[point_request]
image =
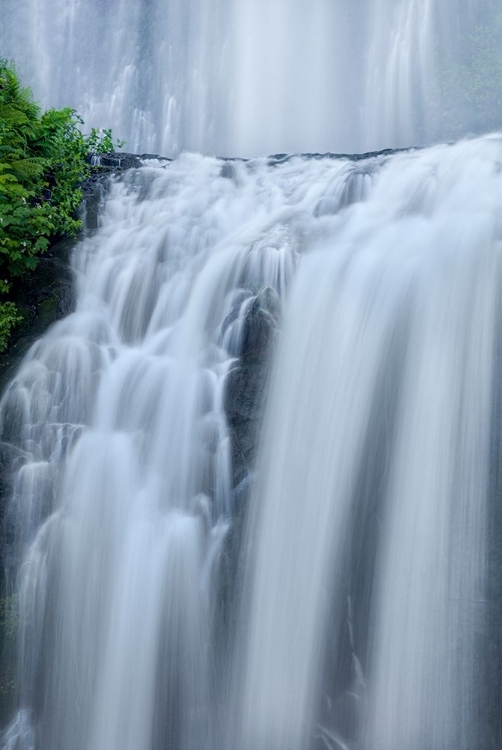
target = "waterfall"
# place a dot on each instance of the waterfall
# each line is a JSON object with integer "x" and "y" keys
{"x": 366, "y": 611}
{"x": 340, "y": 591}
{"x": 248, "y": 77}
{"x": 122, "y": 475}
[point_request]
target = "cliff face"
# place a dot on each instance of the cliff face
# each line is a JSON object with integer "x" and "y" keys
{"x": 44, "y": 297}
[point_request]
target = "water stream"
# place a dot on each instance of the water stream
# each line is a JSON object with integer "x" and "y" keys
{"x": 363, "y": 613}
{"x": 254, "y": 77}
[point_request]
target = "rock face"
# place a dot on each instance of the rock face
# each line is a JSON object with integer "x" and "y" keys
{"x": 44, "y": 297}
{"x": 246, "y": 393}
{"x": 244, "y": 404}
{"x": 120, "y": 160}
{"x": 247, "y": 383}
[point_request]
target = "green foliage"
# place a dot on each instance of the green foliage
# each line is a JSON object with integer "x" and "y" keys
{"x": 9, "y": 318}
{"x": 101, "y": 142}
{"x": 43, "y": 162}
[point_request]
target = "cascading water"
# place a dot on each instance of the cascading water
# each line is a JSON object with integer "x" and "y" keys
{"x": 121, "y": 500}
{"x": 365, "y": 611}
{"x": 248, "y": 77}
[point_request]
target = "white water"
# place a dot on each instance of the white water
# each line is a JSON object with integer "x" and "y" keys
{"x": 121, "y": 503}
{"x": 246, "y": 77}
{"x": 423, "y": 253}
{"x": 362, "y": 607}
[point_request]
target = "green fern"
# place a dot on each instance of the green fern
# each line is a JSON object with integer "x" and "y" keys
{"x": 43, "y": 162}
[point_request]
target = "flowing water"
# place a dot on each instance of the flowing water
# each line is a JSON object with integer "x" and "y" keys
{"x": 365, "y": 610}
{"x": 249, "y": 77}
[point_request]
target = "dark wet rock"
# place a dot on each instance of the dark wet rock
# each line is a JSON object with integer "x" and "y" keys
{"x": 245, "y": 397}
{"x": 118, "y": 160}
{"x": 260, "y": 324}
{"x": 154, "y": 156}
{"x": 277, "y": 159}
{"x": 259, "y": 330}
{"x": 228, "y": 171}
{"x": 245, "y": 391}
{"x": 8, "y": 628}
{"x": 9, "y": 455}
{"x": 46, "y": 296}
{"x": 247, "y": 383}
{"x": 94, "y": 191}
{"x": 121, "y": 160}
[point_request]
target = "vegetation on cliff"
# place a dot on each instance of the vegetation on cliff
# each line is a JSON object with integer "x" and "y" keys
{"x": 43, "y": 162}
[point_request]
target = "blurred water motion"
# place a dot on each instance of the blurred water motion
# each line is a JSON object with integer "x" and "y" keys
{"x": 251, "y": 77}
{"x": 364, "y": 611}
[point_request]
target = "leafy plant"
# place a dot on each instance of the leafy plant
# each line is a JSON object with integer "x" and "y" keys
{"x": 9, "y": 319}
{"x": 43, "y": 162}
{"x": 101, "y": 142}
